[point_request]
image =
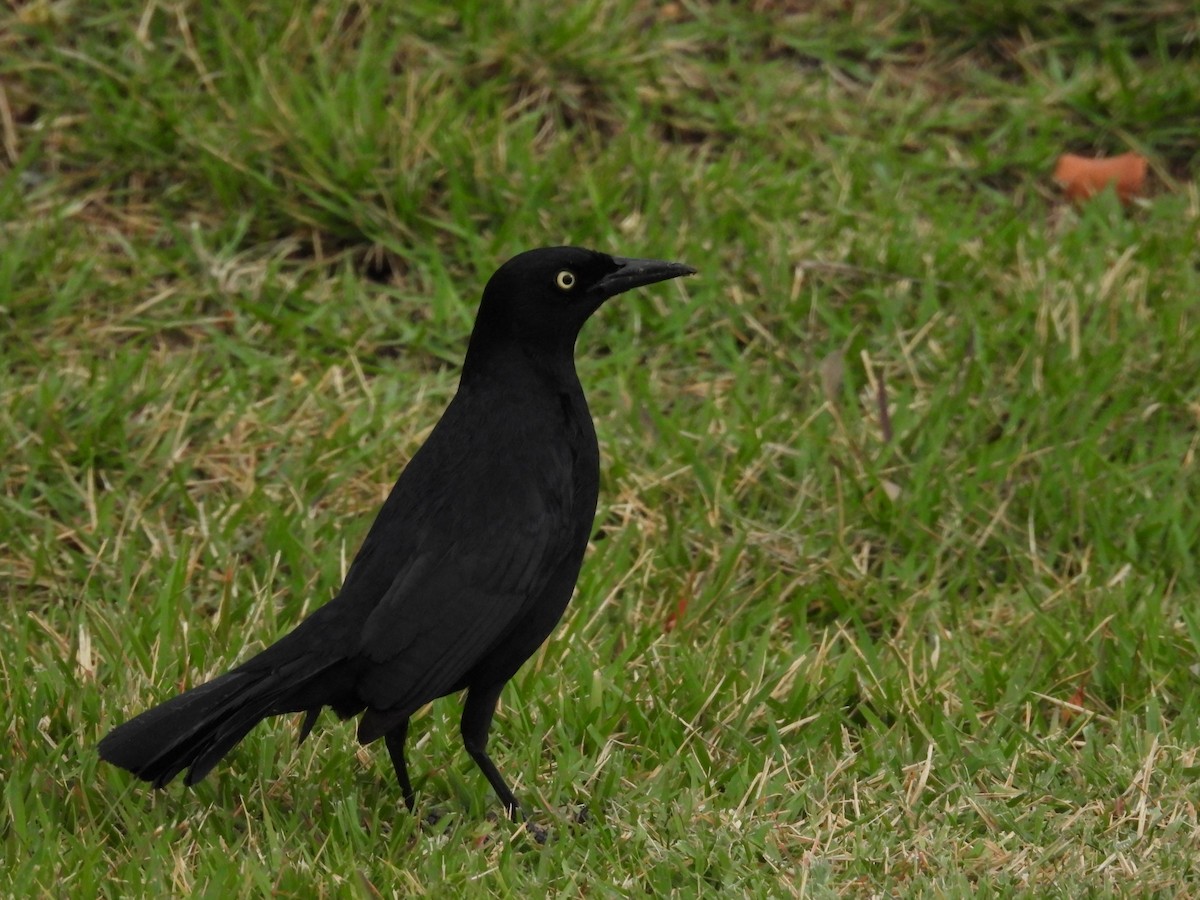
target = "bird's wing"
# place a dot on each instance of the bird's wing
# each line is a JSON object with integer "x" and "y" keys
{"x": 452, "y": 602}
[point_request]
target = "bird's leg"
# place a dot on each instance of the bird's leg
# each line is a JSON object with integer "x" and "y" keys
{"x": 476, "y": 720}
{"x": 395, "y": 744}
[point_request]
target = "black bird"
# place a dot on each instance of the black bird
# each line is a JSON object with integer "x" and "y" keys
{"x": 470, "y": 562}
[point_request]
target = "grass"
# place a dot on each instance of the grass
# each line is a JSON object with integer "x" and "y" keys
{"x": 893, "y": 586}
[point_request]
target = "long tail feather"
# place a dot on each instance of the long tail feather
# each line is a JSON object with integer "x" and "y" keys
{"x": 196, "y": 729}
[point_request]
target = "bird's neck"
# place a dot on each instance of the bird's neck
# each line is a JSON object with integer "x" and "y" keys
{"x": 521, "y": 365}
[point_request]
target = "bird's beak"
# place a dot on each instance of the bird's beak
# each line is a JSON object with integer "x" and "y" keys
{"x": 632, "y": 273}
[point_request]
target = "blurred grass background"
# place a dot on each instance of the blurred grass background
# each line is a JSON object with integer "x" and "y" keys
{"x": 893, "y": 587}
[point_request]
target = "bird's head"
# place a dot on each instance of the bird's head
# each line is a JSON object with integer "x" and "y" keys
{"x": 543, "y": 297}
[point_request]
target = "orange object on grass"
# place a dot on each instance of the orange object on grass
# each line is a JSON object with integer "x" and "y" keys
{"x": 1081, "y": 177}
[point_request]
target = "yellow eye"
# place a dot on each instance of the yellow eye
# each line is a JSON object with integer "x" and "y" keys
{"x": 565, "y": 280}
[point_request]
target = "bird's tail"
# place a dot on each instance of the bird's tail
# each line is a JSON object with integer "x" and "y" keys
{"x": 196, "y": 729}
